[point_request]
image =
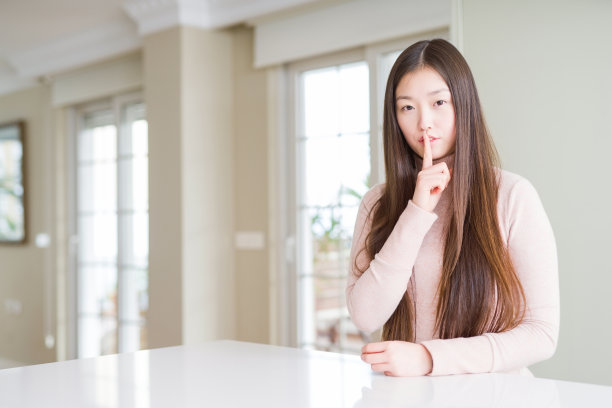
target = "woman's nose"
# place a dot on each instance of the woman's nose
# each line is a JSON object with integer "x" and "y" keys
{"x": 425, "y": 120}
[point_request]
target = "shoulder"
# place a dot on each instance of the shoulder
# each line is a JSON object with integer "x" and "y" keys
{"x": 517, "y": 198}
{"x": 514, "y": 187}
{"x": 373, "y": 195}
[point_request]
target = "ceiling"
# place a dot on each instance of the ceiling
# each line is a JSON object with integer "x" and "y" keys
{"x": 41, "y": 38}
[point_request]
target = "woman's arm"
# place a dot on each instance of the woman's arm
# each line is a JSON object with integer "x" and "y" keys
{"x": 373, "y": 296}
{"x": 532, "y": 248}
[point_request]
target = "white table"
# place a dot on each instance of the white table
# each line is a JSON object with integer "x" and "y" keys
{"x": 235, "y": 374}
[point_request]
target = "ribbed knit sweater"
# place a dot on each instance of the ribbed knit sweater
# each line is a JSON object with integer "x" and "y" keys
{"x": 415, "y": 246}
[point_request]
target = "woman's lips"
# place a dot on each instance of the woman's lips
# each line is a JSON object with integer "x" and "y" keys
{"x": 431, "y": 139}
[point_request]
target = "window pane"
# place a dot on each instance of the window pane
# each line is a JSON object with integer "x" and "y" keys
{"x": 321, "y": 102}
{"x": 329, "y": 232}
{"x": 113, "y": 228}
{"x": 97, "y": 188}
{"x": 98, "y": 291}
{"x": 11, "y": 185}
{"x": 97, "y": 336}
{"x": 354, "y": 98}
{"x": 11, "y": 223}
{"x": 98, "y": 238}
{"x": 134, "y": 183}
{"x": 385, "y": 63}
{"x": 330, "y": 309}
{"x": 322, "y": 173}
{"x": 134, "y": 140}
{"x": 333, "y": 147}
{"x": 135, "y": 239}
{"x": 136, "y": 299}
{"x": 354, "y": 167}
{"x": 135, "y": 305}
{"x": 140, "y": 141}
{"x": 133, "y": 337}
{"x": 10, "y": 158}
{"x": 98, "y": 143}
{"x": 337, "y": 170}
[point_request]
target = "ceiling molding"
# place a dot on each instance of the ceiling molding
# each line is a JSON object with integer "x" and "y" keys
{"x": 10, "y": 82}
{"x": 345, "y": 25}
{"x": 27, "y": 66}
{"x": 157, "y": 15}
{"x": 76, "y": 50}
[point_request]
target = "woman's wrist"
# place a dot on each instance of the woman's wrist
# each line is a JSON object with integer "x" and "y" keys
{"x": 428, "y": 360}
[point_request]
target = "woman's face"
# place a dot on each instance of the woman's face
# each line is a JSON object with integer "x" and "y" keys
{"x": 424, "y": 108}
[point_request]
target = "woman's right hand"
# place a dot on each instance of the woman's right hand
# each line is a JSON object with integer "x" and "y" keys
{"x": 432, "y": 180}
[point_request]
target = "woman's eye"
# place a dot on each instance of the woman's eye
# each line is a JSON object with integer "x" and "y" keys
{"x": 440, "y": 102}
{"x": 407, "y": 108}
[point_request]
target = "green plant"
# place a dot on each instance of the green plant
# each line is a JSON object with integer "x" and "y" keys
{"x": 328, "y": 231}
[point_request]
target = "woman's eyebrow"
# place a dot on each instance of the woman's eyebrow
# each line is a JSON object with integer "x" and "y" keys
{"x": 437, "y": 91}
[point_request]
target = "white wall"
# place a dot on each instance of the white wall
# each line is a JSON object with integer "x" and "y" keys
{"x": 543, "y": 72}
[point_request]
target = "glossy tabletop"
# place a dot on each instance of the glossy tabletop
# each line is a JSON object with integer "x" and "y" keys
{"x": 235, "y": 374}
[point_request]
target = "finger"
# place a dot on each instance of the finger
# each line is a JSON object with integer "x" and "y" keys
{"x": 427, "y": 159}
{"x": 381, "y": 368}
{"x": 432, "y": 182}
{"x": 374, "y": 358}
{"x": 436, "y": 168}
{"x": 374, "y": 347}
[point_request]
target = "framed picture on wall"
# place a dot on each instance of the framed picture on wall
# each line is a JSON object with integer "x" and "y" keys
{"x": 12, "y": 185}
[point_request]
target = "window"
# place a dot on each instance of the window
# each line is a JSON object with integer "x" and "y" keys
{"x": 112, "y": 227}
{"x": 333, "y": 155}
{"x": 337, "y": 154}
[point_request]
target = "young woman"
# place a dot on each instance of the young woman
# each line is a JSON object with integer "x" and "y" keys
{"x": 452, "y": 257}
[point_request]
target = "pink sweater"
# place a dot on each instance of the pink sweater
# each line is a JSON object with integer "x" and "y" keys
{"x": 415, "y": 246}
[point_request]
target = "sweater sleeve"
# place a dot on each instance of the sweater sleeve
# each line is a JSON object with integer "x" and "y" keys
{"x": 373, "y": 296}
{"x": 531, "y": 246}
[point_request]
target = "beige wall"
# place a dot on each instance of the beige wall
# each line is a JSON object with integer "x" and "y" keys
{"x": 250, "y": 190}
{"x": 162, "y": 79}
{"x": 204, "y": 149}
{"x": 207, "y": 182}
{"x": 23, "y": 268}
{"x": 543, "y": 71}
{"x": 188, "y": 93}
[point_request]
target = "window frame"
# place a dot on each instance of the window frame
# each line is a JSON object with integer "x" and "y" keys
{"x": 76, "y": 116}
{"x": 296, "y": 176}
{"x": 284, "y": 137}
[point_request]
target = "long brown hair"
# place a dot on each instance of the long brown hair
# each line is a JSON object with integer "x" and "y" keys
{"x": 479, "y": 291}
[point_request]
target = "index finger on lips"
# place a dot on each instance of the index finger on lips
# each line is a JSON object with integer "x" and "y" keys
{"x": 427, "y": 159}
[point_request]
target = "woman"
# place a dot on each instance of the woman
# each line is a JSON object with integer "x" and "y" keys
{"x": 453, "y": 258}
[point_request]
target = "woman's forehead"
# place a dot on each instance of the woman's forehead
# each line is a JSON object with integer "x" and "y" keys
{"x": 421, "y": 83}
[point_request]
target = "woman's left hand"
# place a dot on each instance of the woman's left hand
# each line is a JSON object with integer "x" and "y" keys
{"x": 398, "y": 358}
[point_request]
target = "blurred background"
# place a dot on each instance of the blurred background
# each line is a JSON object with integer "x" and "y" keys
{"x": 181, "y": 171}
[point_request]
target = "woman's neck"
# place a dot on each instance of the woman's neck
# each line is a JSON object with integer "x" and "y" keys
{"x": 449, "y": 160}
